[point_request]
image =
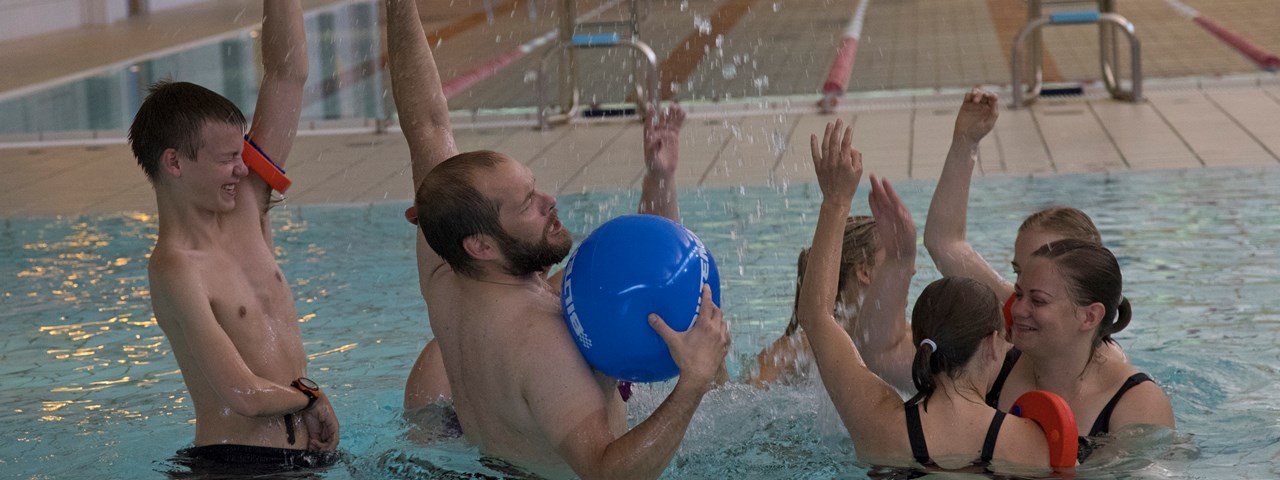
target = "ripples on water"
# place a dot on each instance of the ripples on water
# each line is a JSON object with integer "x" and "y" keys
{"x": 89, "y": 384}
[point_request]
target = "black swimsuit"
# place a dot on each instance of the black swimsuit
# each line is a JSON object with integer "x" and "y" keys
{"x": 227, "y": 459}
{"x": 915, "y": 433}
{"x": 1101, "y": 426}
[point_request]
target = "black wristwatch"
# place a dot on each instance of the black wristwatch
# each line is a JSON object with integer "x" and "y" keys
{"x": 309, "y": 388}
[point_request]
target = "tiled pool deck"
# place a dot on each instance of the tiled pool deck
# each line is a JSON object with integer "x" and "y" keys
{"x": 1207, "y": 105}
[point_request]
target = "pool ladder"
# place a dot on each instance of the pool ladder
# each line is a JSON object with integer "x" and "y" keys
{"x": 572, "y": 38}
{"x": 1108, "y": 49}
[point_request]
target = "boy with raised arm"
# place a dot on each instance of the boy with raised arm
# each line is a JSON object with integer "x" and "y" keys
{"x": 217, "y": 292}
{"x": 488, "y": 237}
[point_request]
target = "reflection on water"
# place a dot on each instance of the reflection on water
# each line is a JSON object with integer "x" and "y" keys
{"x": 345, "y": 80}
{"x": 87, "y": 381}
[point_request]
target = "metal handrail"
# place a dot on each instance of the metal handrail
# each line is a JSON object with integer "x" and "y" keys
{"x": 1108, "y": 47}
{"x": 647, "y": 98}
{"x": 645, "y": 91}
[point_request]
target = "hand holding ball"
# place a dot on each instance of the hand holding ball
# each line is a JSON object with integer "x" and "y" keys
{"x": 626, "y": 269}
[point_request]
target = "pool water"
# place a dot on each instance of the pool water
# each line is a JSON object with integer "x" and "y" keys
{"x": 88, "y": 384}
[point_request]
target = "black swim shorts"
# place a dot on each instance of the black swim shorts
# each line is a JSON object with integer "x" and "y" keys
{"x": 223, "y": 459}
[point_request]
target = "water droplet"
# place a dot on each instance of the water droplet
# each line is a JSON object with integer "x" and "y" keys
{"x": 703, "y": 24}
{"x": 761, "y": 83}
{"x": 729, "y": 72}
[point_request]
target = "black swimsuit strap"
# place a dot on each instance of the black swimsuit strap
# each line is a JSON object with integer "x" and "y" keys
{"x": 1103, "y": 423}
{"x": 993, "y": 395}
{"x": 993, "y": 431}
{"x": 915, "y": 433}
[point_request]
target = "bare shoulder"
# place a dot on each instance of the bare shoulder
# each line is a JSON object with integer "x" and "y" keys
{"x": 177, "y": 285}
{"x": 877, "y": 429}
{"x": 1146, "y": 403}
{"x": 784, "y": 351}
{"x": 170, "y": 267}
{"x": 776, "y": 363}
{"x": 548, "y": 332}
{"x": 546, "y": 350}
{"x": 1022, "y": 442}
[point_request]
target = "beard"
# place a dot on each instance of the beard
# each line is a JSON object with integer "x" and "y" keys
{"x": 524, "y": 258}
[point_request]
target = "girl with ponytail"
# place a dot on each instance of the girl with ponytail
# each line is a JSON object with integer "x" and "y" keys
{"x": 957, "y": 321}
{"x": 962, "y": 311}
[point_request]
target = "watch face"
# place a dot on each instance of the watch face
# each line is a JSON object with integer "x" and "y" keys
{"x": 307, "y": 383}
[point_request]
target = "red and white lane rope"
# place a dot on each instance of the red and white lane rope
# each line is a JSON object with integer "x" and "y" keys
{"x": 1265, "y": 60}
{"x": 842, "y": 64}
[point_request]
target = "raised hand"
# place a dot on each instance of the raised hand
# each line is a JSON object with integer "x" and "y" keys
{"x": 662, "y": 140}
{"x": 893, "y": 221}
{"x": 699, "y": 351}
{"x": 838, "y": 165}
{"x": 977, "y": 116}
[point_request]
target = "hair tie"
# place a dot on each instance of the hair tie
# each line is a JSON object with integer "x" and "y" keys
{"x": 929, "y": 343}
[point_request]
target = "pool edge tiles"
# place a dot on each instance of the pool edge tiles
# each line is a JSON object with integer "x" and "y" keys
{"x": 736, "y": 144}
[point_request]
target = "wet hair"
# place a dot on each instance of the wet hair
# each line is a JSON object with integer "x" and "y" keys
{"x": 1092, "y": 275}
{"x": 450, "y": 208}
{"x": 957, "y": 314}
{"x": 1065, "y": 221}
{"x": 858, "y": 250}
{"x": 174, "y": 115}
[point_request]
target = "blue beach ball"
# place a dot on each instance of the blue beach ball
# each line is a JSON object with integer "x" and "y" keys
{"x": 626, "y": 269}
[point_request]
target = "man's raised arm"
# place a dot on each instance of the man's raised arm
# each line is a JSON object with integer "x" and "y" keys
{"x": 415, "y": 83}
{"x": 423, "y": 109}
{"x": 284, "y": 62}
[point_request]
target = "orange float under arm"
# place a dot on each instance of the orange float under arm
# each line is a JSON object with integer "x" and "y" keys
{"x": 264, "y": 167}
{"x": 1055, "y": 418}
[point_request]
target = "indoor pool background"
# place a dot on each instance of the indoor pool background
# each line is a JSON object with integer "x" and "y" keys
{"x": 88, "y": 386}
{"x": 346, "y": 83}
